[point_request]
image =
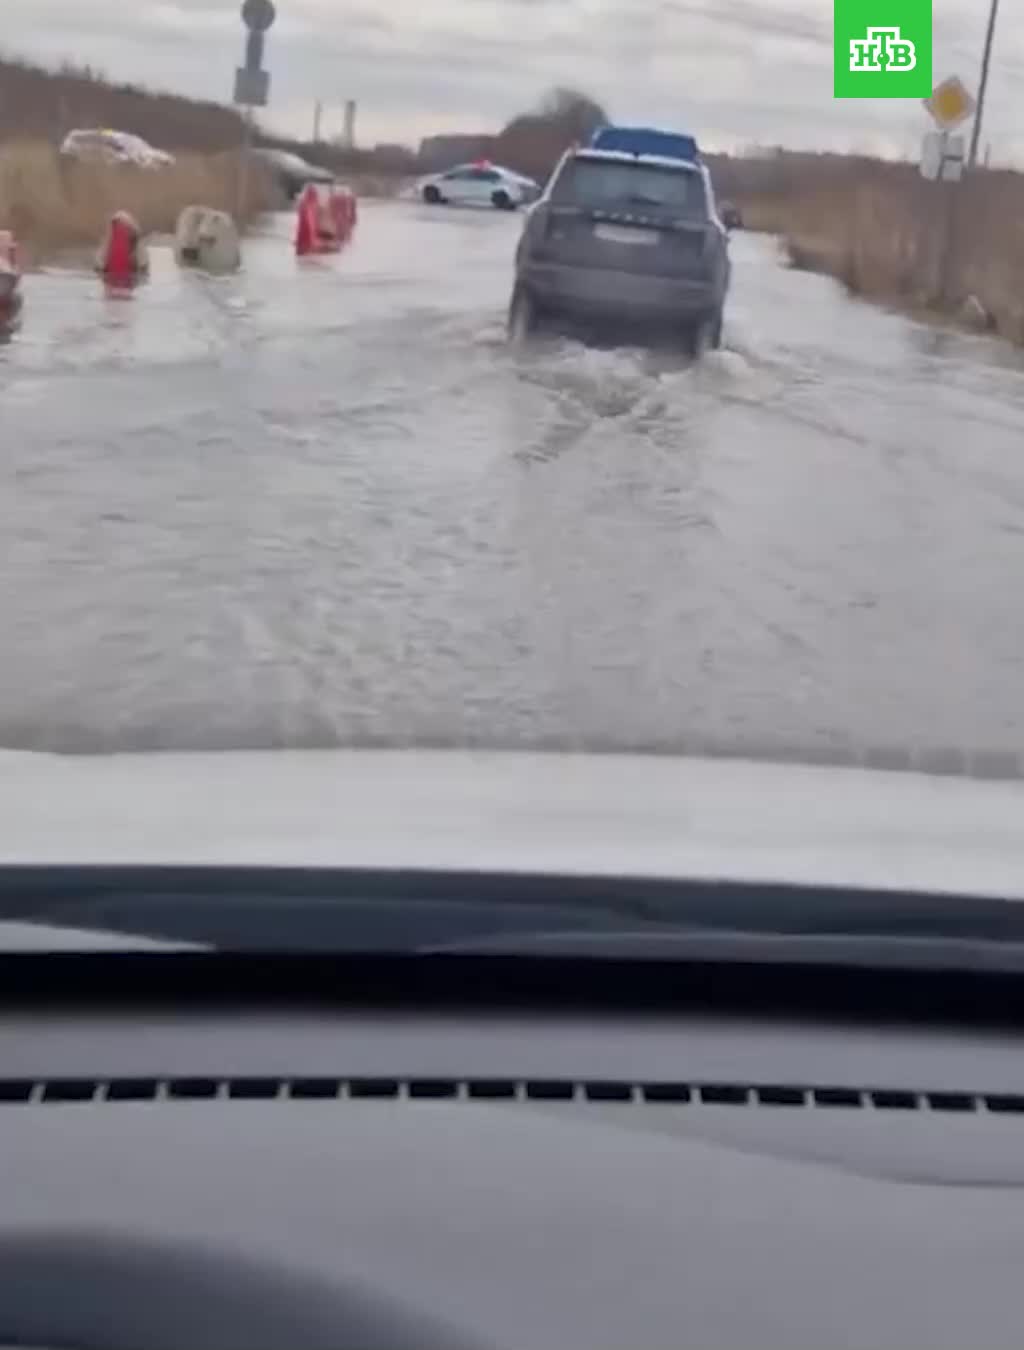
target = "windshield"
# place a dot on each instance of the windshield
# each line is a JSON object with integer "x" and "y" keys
{"x": 595, "y": 183}
{"x": 373, "y": 437}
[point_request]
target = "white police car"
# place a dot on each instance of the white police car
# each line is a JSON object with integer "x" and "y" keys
{"x": 479, "y": 184}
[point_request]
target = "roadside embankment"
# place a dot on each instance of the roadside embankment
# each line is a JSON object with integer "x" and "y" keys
{"x": 891, "y": 236}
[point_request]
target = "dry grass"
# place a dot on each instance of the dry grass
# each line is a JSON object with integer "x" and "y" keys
{"x": 53, "y": 203}
{"x": 38, "y": 104}
{"x": 881, "y": 230}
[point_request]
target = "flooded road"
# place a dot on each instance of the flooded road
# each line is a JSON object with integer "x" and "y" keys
{"x": 326, "y": 504}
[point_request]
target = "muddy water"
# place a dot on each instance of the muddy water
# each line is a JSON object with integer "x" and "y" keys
{"x": 326, "y": 504}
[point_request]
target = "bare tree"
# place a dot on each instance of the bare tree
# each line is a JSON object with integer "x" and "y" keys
{"x": 576, "y": 113}
{"x": 534, "y": 141}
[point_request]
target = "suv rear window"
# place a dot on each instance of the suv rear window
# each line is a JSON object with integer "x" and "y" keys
{"x": 616, "y": 184}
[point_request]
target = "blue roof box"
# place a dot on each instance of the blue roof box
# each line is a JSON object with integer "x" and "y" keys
{"x": 646, "y": 141}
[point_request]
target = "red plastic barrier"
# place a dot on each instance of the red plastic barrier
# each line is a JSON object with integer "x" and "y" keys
{"x": 343, "y": 209}
{"x": 326, "y": 219}
{"x": 9, "y": 250}
{"x": 306, "y": 230}
{"x": 11, "y": 299}
{"x": 122, "y": 255}
{"x": 315, "y": 226}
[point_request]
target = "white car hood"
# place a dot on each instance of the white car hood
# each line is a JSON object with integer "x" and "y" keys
{"x": 565, "y": 814}
{"x": 44, "y": 937}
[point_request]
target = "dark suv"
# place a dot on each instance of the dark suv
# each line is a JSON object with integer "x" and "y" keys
{"x": 629, "y": 238}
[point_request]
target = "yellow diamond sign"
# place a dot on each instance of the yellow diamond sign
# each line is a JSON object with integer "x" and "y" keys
{"x": 950, "y": 103}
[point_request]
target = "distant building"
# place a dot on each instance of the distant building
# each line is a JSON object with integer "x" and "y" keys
{"x": 441, "y": 152}
{"x": 400, "y": 158}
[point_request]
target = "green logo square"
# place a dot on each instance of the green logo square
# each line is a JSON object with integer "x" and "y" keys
{"x": 883, "y": 48}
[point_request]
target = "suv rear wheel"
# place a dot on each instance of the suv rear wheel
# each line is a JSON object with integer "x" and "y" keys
{"x": 522, "y": 317}
{"x": 705, "y": 334}
{"x": 715, "y": 330}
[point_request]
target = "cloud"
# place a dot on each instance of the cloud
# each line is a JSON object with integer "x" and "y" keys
{"x": 737, "y": 70}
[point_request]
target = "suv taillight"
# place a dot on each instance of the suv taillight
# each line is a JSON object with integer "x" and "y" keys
{"x": 709, "y": 245}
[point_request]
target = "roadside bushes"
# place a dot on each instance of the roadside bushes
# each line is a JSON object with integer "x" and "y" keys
{"x": 53, "y": 203}
{"x": 882, "y": 231}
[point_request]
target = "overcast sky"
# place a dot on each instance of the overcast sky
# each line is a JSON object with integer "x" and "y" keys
{"x": 738, "y": 71}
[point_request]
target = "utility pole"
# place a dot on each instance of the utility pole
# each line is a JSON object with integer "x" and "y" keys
{"x": 349, "y": 134}
{"x": 983, "y": 84}
{"x": 317, "y": 115}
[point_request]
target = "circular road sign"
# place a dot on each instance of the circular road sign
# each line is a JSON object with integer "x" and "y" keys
{"x": 950, "y": 103}
{"x": 259, "y": 15}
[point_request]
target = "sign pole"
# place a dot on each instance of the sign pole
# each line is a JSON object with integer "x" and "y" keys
{"x": 950, "y": 217}
{"x": 243, "y": 168}
{"x": 942, "y": 158}
{"x": 252, "y": 86}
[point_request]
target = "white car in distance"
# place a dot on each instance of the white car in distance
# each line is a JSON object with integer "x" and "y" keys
{"x": 479, "y": 184}
{"x": 114, "y": 147}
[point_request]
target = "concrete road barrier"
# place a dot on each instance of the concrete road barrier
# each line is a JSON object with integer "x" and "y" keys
{"x": 207, "y": 239}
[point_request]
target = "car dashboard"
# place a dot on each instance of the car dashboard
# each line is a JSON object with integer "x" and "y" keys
{"x": 485, "y": 1177}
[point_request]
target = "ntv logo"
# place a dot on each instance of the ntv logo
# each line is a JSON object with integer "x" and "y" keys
{"x": 882, "y": 50}
{"x": 894, "y": 60}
